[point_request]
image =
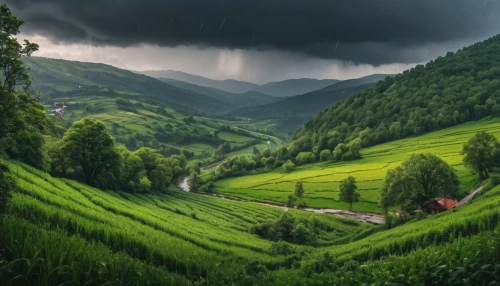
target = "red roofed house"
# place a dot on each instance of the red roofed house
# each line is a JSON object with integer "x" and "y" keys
{"x": 439, "y": 205}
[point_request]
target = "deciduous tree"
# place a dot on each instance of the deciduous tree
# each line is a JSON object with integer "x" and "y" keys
{"x": 348, "y": 192}
{"x": 482, "y": 153}
{"x": 417, "y": 180}
{"x": 22, "y": 118}
{"x": 92, "y": 152}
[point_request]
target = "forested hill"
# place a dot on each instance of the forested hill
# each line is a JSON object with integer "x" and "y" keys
{"x": 450, "y": 90}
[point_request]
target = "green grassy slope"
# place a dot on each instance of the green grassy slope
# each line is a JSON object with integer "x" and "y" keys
{"x": 75, "y": 233}
{"x": 179, "y": 235}
{"x": 321, "y": 179}
{"x": 53, "y": 77}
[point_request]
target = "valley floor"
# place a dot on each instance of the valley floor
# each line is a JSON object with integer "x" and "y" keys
{"x": 321, "y": 180}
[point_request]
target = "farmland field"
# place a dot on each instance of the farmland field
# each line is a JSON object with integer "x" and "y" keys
{"x": 187, "y": 234}
{"x": 321, "y": 179}
{"x": 180, "y": 238}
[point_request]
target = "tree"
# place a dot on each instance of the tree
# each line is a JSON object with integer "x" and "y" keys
{"x": 133, "y": 177}
{"x": 325, "y": 155}
{"x": 355, "y": 149}
{"x": 299, "y": 190}
{"x": 482, "y": 153}
{"x": 305, "y": 157}
{"x": 288, "y": 166}
{"x": 162, "y": 174}
{"x": 22, "y": 118}
{"x": 59, "y": 162}
{"x": 417, "y": 180}
{"x": 348, "y": 192}
{"x": 91, "y": 152}
{"x": 291, "y": 200}
{"x": 339, "y": 151}
{"x": 222, "y": 150}
{"x": 194, "y": 182}
{"x": 395, "y": 130}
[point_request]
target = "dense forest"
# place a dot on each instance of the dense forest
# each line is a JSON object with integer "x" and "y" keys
{"x": 450, "y": 90}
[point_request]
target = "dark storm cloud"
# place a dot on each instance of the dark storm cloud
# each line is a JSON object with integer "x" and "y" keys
{"x": 362, "y": 31}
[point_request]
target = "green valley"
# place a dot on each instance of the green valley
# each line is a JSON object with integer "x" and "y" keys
{"x": 237, "y": 157}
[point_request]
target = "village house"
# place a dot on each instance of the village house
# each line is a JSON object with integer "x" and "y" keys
{"x": 438, "y": 205}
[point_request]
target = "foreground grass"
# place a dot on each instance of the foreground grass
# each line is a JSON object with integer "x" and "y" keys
{"x": 321, "y": 180}
{"x": 62, "y": 232}
{"x": 187, "y": 237}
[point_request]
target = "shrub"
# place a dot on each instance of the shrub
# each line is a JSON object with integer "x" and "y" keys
{"x": 288, "y": 166}
{"x": 325, "y": 155}
{"x": 281, "y": 248}
{"x": 305, "y": 157}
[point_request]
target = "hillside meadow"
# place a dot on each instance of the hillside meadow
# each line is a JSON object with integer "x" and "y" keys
{"x": 321, "y": 180}
{"x": 182, "y": 236}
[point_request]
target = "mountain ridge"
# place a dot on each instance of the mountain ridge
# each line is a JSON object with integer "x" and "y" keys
{"x": 289, "y": 87}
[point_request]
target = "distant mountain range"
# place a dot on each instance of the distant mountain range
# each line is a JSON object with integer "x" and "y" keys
{"x": 284, "y": 88}
{"x": 245, "y": 99}
{"x": 308, "y": 104}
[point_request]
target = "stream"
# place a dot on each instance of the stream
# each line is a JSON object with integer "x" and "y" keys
{"x": 184, "y": 185}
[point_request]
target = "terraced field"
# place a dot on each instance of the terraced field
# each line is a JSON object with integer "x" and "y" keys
{"x": 321, "y": 180}
{"x": 182, "y": 235}
{"x": 61, "y": 232}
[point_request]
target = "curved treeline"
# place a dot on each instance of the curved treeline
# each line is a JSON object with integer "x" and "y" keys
{"x": 451, "y": 90}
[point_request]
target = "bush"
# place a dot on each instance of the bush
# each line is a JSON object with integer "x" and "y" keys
{"x": 325, "y": 155}
{"x": 288, "y": 166}
{"x": 281, "y": 248}
{"x": 305, "y": 157}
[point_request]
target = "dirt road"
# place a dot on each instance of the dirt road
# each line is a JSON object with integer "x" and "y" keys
{"x": 469, "y": 196}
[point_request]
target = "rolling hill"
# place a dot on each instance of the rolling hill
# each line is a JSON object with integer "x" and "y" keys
{"x": 284, "y": 88}
{"x": 55, "y": 77}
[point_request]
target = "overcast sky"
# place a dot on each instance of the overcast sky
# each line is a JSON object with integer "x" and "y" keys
{"x": 257, "y": 40}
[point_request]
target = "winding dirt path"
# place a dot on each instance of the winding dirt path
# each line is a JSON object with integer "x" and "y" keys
{"x": 469, "y": 196}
